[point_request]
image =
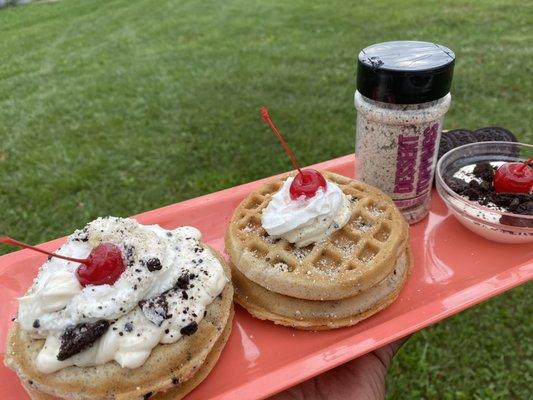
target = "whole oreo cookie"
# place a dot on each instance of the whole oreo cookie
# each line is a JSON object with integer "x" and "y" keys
{"x": 455, "y": 138}
{"x": 462, "y": 136}
{"x": 494, "y": 133}
{"x": 497, "y": 134}
{"x": 445, "y": 146}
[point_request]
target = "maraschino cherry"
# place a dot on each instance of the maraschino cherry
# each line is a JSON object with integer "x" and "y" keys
{"x": 516, "y": 177}
{"x": 307, "y": 182}
{"x": 104, "y": 265}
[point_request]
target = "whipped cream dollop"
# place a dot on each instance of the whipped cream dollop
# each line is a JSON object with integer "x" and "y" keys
{"x": 144, "y": 307}
{"x": 305, "y": 221}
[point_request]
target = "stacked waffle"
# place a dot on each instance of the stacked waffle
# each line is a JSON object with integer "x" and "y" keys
{"x": 166, "y": 368}
{"x": 171, "y": 372}
{"x": 355, "y": 272}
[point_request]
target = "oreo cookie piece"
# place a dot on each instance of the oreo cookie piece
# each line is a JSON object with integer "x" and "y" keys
{"x": 156, "y": 308}
{"x": 521, "y": 204}
{"x": 484, "y": 171}
{"x": 456, "y": 184}
{"x": 494, "y": 133}
{"x": 77, "y": 338}
{"x": 455, "y": 138}
{"x": 189, "y": 329}
{"x": 525, "y": 208}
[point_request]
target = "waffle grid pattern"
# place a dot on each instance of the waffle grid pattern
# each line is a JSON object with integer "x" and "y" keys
{"x": 355, "y": 245}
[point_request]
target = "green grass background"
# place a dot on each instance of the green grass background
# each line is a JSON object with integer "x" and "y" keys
{"x": 117, "y": 107}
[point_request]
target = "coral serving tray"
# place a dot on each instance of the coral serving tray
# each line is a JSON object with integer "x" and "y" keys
{"x": 453, "y": 270}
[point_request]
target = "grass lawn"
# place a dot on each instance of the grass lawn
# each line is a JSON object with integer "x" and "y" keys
{"x": 117, "y": 107}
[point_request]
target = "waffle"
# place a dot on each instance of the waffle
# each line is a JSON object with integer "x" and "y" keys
{"x": 178, "y": 391}
{"x": 353, "y": 259}
{"x": 320, "y": 315}
{"x": 171, "y": 371}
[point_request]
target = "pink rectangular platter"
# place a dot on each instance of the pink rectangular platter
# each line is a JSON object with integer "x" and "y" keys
{"x": 453, "y": 270}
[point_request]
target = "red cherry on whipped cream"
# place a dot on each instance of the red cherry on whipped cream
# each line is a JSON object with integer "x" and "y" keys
{"x": 307, "y": 182}
{"x": 516, "y": 177}
{"x": 104, "y": 265}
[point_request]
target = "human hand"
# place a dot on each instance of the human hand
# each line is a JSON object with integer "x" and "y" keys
{"x": 359, "y": 379}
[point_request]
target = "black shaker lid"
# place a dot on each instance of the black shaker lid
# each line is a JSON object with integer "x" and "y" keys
{"x": 405, "y": 72}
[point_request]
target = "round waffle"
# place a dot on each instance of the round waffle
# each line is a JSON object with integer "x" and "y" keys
{"x": 171, "y": 370}
{"x": 353, "y": 259}
{"x": 178, "y": 391}
{"x": 320, "y": 315}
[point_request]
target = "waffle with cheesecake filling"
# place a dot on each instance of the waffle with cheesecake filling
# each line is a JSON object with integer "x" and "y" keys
{"x": 170, "y": 372}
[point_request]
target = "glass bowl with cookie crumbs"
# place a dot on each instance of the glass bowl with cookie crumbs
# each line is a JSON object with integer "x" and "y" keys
{"x": 475, "y": 184}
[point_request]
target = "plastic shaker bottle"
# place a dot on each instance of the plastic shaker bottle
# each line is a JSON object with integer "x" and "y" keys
{"x": 403, "y": 92}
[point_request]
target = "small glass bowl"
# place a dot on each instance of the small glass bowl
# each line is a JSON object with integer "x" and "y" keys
{"x": 479, "y": 219}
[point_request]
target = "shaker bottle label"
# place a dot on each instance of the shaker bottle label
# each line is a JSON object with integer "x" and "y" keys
{"x": 414, "y": 165}
{"x": 426, "y": 159}
{"x": 405, "y": 164}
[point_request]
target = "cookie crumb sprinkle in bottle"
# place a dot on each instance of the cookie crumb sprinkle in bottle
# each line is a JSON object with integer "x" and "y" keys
{"x": 403, "y": 92}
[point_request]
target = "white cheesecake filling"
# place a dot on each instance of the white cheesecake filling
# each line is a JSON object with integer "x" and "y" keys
{"x": 57, "y": 301}
{"x": 305, "y": 221}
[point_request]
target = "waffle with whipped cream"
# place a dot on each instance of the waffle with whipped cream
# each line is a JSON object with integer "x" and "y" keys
{"x": 154, "y": 333}
{"x": 353, "y": 269}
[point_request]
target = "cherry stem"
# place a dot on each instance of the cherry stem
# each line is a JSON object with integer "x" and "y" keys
{"x": 266, "y": 117}
{"x": 13, "y": 242}
{"x": 526, "y": 164}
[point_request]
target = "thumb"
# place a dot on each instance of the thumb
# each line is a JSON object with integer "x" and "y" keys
{"x": 386, "y": 353}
